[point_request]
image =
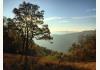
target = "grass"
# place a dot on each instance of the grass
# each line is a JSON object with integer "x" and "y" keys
{"x": 17, "y": 62}
{"x": 48, "y": 58}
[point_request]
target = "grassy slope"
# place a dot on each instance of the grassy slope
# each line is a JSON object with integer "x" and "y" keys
{"x": 44, "y": 63}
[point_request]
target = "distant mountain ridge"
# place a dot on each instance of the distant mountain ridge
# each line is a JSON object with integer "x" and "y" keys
{"x": 62, "y": 42}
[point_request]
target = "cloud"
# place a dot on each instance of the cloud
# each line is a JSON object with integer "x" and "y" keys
{"x": 83, "y": 17}
{"x": 53, "y": 18}
{"x": 91, "y": 10}
{"x": 66, "y": 19}
{"x": 66, "y": 23}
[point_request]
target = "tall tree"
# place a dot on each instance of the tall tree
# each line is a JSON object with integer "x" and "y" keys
{"x": 29, "y": 23}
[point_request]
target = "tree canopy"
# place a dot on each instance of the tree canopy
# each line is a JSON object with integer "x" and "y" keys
{"x": 27, "y": 24}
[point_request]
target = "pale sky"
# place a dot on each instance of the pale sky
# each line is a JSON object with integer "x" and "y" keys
{"x": 62, "y": 15}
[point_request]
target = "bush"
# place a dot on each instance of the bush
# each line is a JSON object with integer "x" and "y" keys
{"x": 85, "y": 49}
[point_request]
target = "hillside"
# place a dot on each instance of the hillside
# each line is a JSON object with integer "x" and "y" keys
{"x": 15, "y": 62}
{"x": 62, "y": 42}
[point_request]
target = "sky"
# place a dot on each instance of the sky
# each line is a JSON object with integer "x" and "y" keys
{"x": 61, "y": 15}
